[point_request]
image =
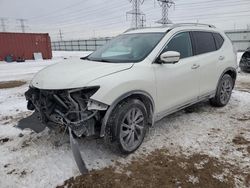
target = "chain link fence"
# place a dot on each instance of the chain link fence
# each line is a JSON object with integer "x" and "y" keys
{"x": 78, "y": 45}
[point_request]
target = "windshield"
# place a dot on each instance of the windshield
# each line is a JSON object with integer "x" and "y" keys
{"x": 127, "y": 48}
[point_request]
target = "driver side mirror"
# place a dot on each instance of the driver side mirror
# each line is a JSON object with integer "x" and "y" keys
{"x": 170, "y": 57}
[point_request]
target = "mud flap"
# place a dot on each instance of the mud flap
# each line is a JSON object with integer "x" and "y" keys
{"x": 77, "y": 154}
{"x": 31, "y": 122}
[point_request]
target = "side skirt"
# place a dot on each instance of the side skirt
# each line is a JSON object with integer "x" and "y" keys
{"x": 172, "y": 110}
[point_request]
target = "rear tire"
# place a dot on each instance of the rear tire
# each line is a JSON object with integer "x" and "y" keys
{"x": 224, "y": 91}
{"x": 126, "y": 127}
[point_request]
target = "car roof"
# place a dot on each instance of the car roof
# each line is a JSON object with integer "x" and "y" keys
{"x": 149, "y": 30}
{"x": 163, "y": 29}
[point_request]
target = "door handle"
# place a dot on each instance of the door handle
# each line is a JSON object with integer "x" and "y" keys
{"x": 221, "y": 58}
{"x": 195, "y": 66}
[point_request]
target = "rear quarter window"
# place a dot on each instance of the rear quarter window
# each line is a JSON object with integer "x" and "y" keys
{"x": 204, "y": 42}
{"x": 219, "y": 40}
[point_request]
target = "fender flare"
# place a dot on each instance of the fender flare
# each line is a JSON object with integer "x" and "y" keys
{"x": 119, "y": 99}
{"x": 226, "y": 70}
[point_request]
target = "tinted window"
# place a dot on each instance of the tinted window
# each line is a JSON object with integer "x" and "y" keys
{"x": 180, "y": 43}
{"x": 204, "y": 42}
{"x": 218, "y": 40}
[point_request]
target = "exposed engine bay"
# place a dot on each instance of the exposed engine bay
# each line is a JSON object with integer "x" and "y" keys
{"x": 68, "y": 108}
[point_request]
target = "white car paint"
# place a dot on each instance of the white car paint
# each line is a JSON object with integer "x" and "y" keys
{"x": 74, "y": 73}
{"x": 169, "y": 85}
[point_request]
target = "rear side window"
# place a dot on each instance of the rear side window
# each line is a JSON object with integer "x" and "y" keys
{"x": 180, "y": 43}
{"x": 204, "y": 42}
{"x": 218, "y": 40}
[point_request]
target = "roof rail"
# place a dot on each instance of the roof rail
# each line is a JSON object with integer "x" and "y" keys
{"x": 173, "y": 26}
{"x": 194, "y": 24}
{"x": 131, "y": 29}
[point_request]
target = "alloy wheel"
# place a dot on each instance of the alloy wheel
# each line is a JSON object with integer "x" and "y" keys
{"x": 226, "y": 91}
{"x": 132, "y": 128}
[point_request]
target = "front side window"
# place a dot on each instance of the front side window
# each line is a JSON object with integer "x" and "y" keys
{"x": 127, "y": 48}
{"x": 204, "y": 42}
{"x": 180, "y": 43}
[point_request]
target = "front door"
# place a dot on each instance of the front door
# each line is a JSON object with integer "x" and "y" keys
{"x": 177, "y": 83}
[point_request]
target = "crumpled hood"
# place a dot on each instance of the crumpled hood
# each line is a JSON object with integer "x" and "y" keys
{"x": 75, "y": 73}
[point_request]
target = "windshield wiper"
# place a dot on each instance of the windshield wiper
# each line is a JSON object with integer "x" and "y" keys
{"x": 84, "y": 58}
{"x": 101, "y": 60}
{"x": 104, "y": 60}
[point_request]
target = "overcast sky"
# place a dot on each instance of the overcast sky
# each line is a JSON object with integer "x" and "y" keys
{"x": 98, "y": 18}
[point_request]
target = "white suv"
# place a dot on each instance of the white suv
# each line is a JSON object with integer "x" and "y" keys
{"x": 137, "y": 78}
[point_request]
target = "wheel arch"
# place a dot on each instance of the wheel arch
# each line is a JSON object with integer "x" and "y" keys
{"x": 143, "y": 96}
{"x": 230, "y": 71}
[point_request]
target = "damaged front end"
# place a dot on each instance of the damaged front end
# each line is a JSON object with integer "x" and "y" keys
{"x": 69, "y": 109}
{"x": 72, "y": 108}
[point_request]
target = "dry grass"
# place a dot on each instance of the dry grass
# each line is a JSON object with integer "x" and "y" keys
{"x": 160, "y": 169}
{"x": 11, "y": 84}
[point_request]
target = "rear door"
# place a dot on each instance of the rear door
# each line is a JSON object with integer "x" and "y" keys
{"x": 206, "y": 53}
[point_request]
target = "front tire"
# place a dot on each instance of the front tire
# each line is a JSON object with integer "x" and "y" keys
{"x": 126, "y": 127}
{"x": 224, "y": 91}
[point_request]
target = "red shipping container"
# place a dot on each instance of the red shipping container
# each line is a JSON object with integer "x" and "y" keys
{"x": 24, "y": 45}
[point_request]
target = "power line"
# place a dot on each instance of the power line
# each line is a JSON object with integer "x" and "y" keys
{"x": 96, "y": 21}
{"x": 211, "y": 2}
{"x": 136, "y": 13}
{"x": 183, "y": 16}
{"x": 201, "y": 7}
{"x": 80, "y": 16}
{"x": 165, "y": 5}
{"x": 107, "y": 22}
{"x": 3, "y": 24}
{"x": 111, "y": 25}
{"x": 57, "y": 10}
{"x": 213, "y": 18}
{"x": 89, "y": 9}
{"x": 85, "y": 21}
{"x": 81, "y": 13}
{"x": 212, "y": 14}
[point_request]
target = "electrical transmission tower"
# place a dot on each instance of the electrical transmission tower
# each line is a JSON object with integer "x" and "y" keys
{"x": 143, "y": 21}
{"x": 22, "y": 24}
{"x": 60, "y": 35}
{"x": 165, "y": 5}
{"x": 138, "y": 17}
{"x": 3, "y": 24}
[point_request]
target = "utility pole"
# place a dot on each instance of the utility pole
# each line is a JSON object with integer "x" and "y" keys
{"x": 143, "y": 21}
{"x": 136, "y": 13}
{"x": 3, "y": 25}
{"x": 248, "y": 26}
{"x": 22, "y": 24}
{"x": 60, "y": 35}
{"x": 165, "y": 5}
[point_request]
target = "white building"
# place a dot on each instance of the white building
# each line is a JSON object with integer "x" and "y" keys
{"x": 240, "y": 39}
